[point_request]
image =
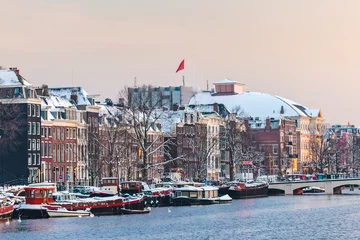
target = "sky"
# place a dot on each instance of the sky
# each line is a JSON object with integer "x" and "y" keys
{"x": 307, "y": 51}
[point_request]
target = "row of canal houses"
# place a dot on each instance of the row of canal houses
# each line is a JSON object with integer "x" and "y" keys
{"x": 66, "y": 129}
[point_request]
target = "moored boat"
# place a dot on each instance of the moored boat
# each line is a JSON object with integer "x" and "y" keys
{"x": 241, "y": 190}
{"x": 43, "y": 197}
{"x": 187, "y": 196}
{"x": 129, "y": 211}
{"x": 63, "y": 212}
{"x": 313, "y": 190}
{"x": 6, "y": 207}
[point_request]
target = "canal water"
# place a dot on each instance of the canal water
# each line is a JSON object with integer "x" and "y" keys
{"x": 282, "y": 217}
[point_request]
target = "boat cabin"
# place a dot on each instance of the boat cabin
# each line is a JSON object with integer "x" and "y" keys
{"x": 197, "y": 192}
{"x": 63, "y": 196}
{"x": 134, "y": 187}
{"x": 110, "y": 185}
{"x": 39, "y": 193}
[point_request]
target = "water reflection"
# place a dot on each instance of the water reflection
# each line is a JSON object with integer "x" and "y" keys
{"x": 287, "y": 217}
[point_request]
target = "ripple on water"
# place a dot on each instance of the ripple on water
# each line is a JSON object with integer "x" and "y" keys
{"x": 289, "y": 217}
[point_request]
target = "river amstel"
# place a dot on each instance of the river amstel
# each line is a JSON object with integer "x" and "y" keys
{"x": 282, "y": 217}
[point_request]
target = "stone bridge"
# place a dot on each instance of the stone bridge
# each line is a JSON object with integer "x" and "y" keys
{"x": 331, "y": 186}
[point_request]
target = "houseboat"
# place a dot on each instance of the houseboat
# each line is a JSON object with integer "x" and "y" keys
{"x": 186, "y": 196}
{"x": 241, "y": 190}
{"x": 6, "y": 207}
{"x": 109, "y": 187}
{"x": 313, "y": 190}
{"x": 154, "y": 196}
{"x": 42, "y": 197}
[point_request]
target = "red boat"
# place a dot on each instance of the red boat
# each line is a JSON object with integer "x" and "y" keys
{"x": 6, "y": 207}
{"x": 41, "y": 196}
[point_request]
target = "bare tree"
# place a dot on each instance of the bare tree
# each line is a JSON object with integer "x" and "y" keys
{"x": 143, "y": 109}
{"x": 235, "y": 131}
{"x": 322, "y": 148}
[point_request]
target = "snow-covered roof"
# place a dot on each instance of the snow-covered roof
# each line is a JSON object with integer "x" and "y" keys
{"x": 254, "y": 104}
{"x": 226, "y": 81}
{"x": 66, "y": 93}
{"x": 10, "y": 78}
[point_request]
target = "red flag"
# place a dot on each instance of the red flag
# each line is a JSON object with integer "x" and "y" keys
{"x": 181, "y": 66}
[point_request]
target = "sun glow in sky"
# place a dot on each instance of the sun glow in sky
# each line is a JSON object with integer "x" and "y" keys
{"x": 307, "y": 51}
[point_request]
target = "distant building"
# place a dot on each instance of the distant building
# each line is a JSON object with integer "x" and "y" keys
{"x": 21, "y": 165}
{"x": 161, "y": 97}
{"x": 256, "y": 105}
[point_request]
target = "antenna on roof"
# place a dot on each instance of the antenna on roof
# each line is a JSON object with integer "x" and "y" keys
{"x": 207, "y": 85}
{"x": 183, "y": 78}
{"x": 134, "y": 81}
{"x": 72, "y": 77}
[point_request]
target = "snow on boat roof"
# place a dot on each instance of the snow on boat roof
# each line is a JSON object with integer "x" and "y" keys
{"x": 9, "y": 78}
{"x": 253, "y": 104}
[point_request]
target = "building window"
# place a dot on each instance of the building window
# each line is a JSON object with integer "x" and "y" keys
{"x": 38, "y": 145}
{"x": 29, "y": 144}
{"x": 33, "y": 129}
{"x": 74, "y": 133}
{"x": 33, "y": 110}
{"x": 67, "y": 152}
{"x": 58, "y": 153}
{"x": 38, "y": 128}
{"x": 50, "y": 150}
{"x": 38, "y": 159}
{"x": 42, "y": 131}
{"x": 38, "y": 110}
{"x": 49, "y": 132}
{"x": 29, "y": 159}
{"x": 67, "y": 133}
{"x": 62, "y": 133}
{"x": 42, "y": 149}
{"x": 62, "y": 152}
{"x": 34, "y": 159}
{"x": 29, "y": 110}
{"x": 46, "y": 132}
{"x": 33, "y": 147}
{"x": 46, "y": 149}
{"x": 275, "y": 149}
{"x": 29, "y": 128}
{"x": 54, "y": 153}
{"x": 58, "y": 136}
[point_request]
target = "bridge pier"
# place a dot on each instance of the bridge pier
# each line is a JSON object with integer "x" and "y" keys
{"x": 288, "y": 189}
{"x": 329, "y": 188}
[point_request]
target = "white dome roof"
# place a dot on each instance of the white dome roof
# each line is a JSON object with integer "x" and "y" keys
{"x": 255, "y": 104}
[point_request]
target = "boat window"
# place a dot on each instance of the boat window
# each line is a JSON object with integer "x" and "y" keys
{"x": 50, "y": 193}
{"x": 38, "y": 194}
{"x": 193, "y": 194}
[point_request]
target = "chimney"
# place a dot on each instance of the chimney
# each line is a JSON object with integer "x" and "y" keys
{"x": 246, "y": 122}
{"x": 15, "y": 69}
{"x": 175, "y": 107}
{"x": 267, "y": 126}
{"x": 216, "y": 107}
{"x": 45, "y": 90}
{"x": 74, "y": 95}
{"x": 185, "y": 117}
{"x": 121, "y": 102}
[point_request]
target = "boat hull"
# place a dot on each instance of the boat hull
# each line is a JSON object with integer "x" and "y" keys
{"x": 30, "y": 213}
{"x": 128, "y": 211}
{"x": 255, "y": 192}
{"x": 6, "y": 212}
{"x": 59, "y": 213}
{"x": 185, "y": 201}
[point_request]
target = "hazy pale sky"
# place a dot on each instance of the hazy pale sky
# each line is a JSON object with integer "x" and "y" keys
{"x": 307, "y": 51}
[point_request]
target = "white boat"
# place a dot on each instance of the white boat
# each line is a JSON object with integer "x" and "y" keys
{"x": 63, "y": 212}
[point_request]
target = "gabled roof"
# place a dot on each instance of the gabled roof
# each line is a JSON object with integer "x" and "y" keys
{"x": 66, "y": 93}
{"x": 10, "y": 78}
